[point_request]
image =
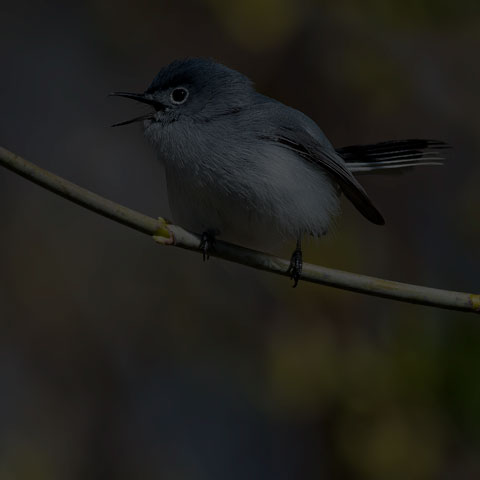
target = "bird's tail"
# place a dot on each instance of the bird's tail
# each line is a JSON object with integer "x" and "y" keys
{"x": 392, "y": 157}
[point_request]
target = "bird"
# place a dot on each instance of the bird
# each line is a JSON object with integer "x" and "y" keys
{"x": 246, "y": 168}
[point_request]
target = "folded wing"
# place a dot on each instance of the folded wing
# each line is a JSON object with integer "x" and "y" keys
{"x": 307, "y": 147}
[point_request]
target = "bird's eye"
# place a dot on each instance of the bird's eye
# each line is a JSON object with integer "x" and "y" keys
{"x": 179, "y": 95}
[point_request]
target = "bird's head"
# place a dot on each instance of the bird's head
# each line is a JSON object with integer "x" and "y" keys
{"x": 192, "y": 90}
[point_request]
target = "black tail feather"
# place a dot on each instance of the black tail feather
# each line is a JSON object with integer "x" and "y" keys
{"x": 397, "y": 154}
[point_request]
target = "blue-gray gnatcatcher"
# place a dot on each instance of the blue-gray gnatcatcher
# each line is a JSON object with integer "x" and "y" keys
{"x": 244, "y": 166}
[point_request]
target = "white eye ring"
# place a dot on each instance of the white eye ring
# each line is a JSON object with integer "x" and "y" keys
{"x": 179, "y": 95}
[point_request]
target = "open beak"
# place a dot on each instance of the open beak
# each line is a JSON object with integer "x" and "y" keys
{"x": 139, "y": 97}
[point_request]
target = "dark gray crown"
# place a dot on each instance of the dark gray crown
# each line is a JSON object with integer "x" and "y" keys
{"x": 198, "y": 72}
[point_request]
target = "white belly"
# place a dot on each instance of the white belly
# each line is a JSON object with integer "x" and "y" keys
{"x": 279, "y": 196}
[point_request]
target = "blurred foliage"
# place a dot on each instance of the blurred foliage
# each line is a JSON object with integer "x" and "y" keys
{"x": 382, "y": 403}
{"x": 259, "y": 24}
{"x": 408, "y": 14}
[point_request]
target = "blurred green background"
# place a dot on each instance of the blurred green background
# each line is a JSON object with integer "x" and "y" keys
{"x": 121, "y": 359}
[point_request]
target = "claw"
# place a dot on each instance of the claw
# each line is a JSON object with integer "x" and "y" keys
{"x": 296, "y": 265}
{"x": 207, "y": 244}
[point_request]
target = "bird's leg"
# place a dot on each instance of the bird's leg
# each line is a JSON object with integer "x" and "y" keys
{"x": 296, "y": 264}
{"x": 207, "y": 243}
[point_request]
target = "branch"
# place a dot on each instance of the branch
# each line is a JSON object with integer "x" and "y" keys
{"x": 167, "y": 234}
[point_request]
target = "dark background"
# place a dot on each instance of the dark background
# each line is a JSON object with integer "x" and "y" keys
{"x": 122, "y": 359}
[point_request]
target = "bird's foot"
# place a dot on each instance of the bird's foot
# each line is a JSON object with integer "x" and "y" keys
{"x": 296, "y": 265}
{"x": 207, "y": 244}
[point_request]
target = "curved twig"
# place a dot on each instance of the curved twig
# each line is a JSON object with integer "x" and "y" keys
{"x": 167, "y": 234}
